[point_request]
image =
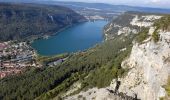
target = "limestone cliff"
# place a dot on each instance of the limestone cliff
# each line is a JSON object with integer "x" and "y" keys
{"x": 149, "y": 64}
{"x": 149, "y": 69}
{"x": 129, "y": 23}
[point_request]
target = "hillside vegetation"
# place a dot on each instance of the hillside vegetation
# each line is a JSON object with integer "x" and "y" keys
{"x": 18, "y": 21}
{"x": 106, "y": 57}
{"x": 161, "y": 24}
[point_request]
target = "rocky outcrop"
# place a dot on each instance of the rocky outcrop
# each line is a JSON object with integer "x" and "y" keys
{"x": 149, "y": 69}
{"x": 101, "y": 94}
{"x": 129, "y": 23}
{"x": 148, "y": 65}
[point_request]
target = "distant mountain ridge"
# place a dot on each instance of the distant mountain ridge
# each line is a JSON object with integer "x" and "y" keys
{"x": 102, "y": 6}
{"x": 22, "y": 20}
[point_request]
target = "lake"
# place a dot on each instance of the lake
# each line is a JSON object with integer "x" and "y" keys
{"x": 76, "y": 38}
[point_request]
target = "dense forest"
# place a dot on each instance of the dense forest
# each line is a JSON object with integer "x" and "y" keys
{"x": 23, "y": 20}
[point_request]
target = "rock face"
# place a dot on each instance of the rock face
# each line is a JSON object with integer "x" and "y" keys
{"x": 149, "y": 69}
{"x": 144, "y": 21}
{"x": 129, "y": 23}
{"x": 100, "y": 94}
{"x": 148, "y": 64}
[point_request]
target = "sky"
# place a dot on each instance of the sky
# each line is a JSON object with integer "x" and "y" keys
{"x": 148, "y": 3}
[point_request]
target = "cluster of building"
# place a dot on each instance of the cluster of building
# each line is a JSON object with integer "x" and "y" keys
{"x": 15, "y": 57}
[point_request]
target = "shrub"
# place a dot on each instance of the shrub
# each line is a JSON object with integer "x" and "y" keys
{"x": 155, "y": 36}
{"x": 167, "y": 87}
{"x": 163, "y": 23}
{"x": 142, "y": 35}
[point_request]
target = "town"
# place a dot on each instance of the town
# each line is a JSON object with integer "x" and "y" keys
{"x": 15, "y": 57}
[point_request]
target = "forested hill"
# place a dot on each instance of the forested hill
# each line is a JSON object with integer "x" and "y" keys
{"x": 23, "y": 20}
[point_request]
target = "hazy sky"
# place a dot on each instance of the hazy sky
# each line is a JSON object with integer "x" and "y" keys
{"x": 150, "y": 3}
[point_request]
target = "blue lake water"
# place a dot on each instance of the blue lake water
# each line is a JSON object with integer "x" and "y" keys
{"x": 76, "y": 38}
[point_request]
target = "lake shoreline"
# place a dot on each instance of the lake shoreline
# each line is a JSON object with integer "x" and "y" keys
{"x": 37, "y": 37}
{"x": 91, "y": 34}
